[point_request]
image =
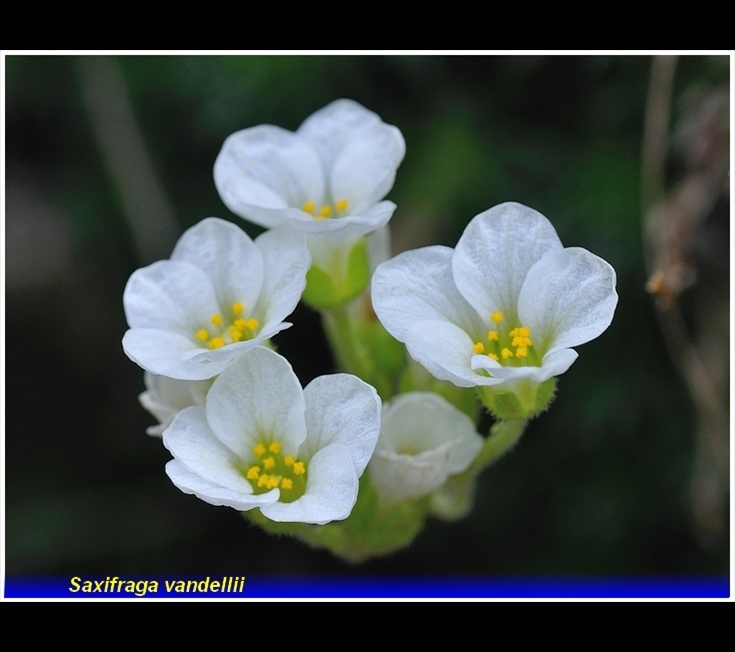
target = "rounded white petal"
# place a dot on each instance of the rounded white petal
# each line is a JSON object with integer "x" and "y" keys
{"x": 495, "y": 253}
{"x": 568, "y": 298}
{"x": 257, "y": 397}
{"x": 331, "y": 490}
{"x": 214, "y": 494}
{"x": 268, "y": 167}
{"x": 424, "y": 439}
{"x": 193, "y": 444}
{"x": 553, "y": 364}
{"x": 445, "y": 351}
{"x": 168, "y": 354}
{"x": 169, "y": 295}
{"x": 286, "y": 260}
{"x": 343, "y": 409}
{"x": 417, "y": 286}
{"x": 227, "y": 255}
{"x": 165, "y": 397}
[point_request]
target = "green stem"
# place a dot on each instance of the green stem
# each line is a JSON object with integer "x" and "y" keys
{"x": 339, "y": 333}
{"x": 503, "y": 436}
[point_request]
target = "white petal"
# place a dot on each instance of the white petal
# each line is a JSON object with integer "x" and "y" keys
{"x": 269, "y": 167}
{"x": 568, "y": 298}
{"x": 554, "y": 363}
{"x": 192, "y": 442}
{"x": 417, "y": 286}
{"x": 342, "y": 408}
{"x": 331, "y": 490}
{"x": 167, "y": 354}
{"x": 286, "y": 260}
{"x": 257, "y": 397}
{"x": 229, "y": 258}
{"x": 423, "y": 422}
{"x": 495, "y": 253}
{"x": 169, "y": 295}
{"x": 209, "y": 492}
{"x": 445, "y": 351}
{"x": 166, "y": 397}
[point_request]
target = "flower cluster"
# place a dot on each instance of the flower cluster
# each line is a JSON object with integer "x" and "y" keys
{"x": 500, "y": 313}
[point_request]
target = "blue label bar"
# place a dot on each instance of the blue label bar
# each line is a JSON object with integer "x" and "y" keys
{"x": 242, "y": 586}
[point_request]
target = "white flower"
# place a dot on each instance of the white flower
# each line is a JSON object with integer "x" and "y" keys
{"x": 505, "y": 306}
{"x": 423, "y": 440}
{"x": 326, "y": 180}
{"x": 165, "y": 397}
{"x": 219, "y": 295}
{"x": 261, "y": 441}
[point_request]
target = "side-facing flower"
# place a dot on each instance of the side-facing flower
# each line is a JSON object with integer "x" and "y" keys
{"x": 165, "y": 397}
{"x": 261, "y": 441}
{"x": 423, "y": 440}
{"x": 503, "y": 309}
{"x": 220, "y": 294}
{"x": 326, "y": 180}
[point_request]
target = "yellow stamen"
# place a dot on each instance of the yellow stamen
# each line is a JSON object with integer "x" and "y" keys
{"x": 275, "y": 447}
{"x": 203, "y": 334}
{"x": 252, "y": 324}
{"x": 497, "y": 317}
{"x": 286, "y": 483}
{"x": 263, "y": 480}
{"x": 493, "y": 356}
{"x": 341, "y": 205}
{"x": 253, "y": 473}
{"x": 269, "y": 463}
{"x": 259, "y": 449}
{"x": 289, "y": 460}
{"x": 492, "y": 336}
{"x": 325, "y": 211}
{"x": 235, "y": 334}
{"x": 216, "y": 342}
{"x": 274, "y": 481}
{"x": 308, "y": 207}
{"x": 478, "y": 348}
{"x": 506, "y": 353}
{"x": 216, "y": 319}
{"x": 299, "y": 468}
{"x": 521, "y": 352}
{"x": 237, "y": 308}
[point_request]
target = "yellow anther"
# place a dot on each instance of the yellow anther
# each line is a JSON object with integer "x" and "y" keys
{"x": 341, "y": 205}
{"x": 259, "y": 449}
{"x": 216, "y": 319}
{"x": 235, "y": 334}
{"x": 289, "y": 460}
{"x": 274, "y": 481}
{"x": 263, "y": 480}
{"x": 253, "y": 473}
{"x": 299, "y": 468}
{"x": 203, "y": 334}
{"x": 286, "y": 483}
{"x": 506, "y": 353}
{"x": 493, "y": 356}
{"x": 521, "y": 352}
{"x": 252, "y": 324}
{"x": 497, "y": 317}
{"x": 478, "y": 348}
{"x": 325, "y": 211}
{"x": 492, "y": 336}
{"x": 275, "y": 447}
{"x": 240, "y": 324}
{"x": 269, "y": 463}
{"x": 237, "y": 308}
{"x": 308, "y": 207}
{"x": 216, "y": 342}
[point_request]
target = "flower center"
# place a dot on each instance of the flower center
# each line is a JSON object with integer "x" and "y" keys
{"x": 235, "y": 329}
{"x": 508, "y": 347}
{"x": 273, "y": 470}
{"x": 325, "y": 211}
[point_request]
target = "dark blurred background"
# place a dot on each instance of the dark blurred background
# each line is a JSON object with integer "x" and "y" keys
{"x": 108, "y": 160}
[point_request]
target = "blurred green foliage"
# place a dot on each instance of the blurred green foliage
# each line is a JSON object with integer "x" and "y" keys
{"x": 598, "y": 485}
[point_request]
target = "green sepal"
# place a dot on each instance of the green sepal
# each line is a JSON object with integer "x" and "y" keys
{"x": 329, "y": 289}
{"x": 370, "y": 530}
{"x": 523, "y": 400}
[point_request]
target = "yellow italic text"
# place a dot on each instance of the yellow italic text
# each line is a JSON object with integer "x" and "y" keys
{"x": 234, "y": 326}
